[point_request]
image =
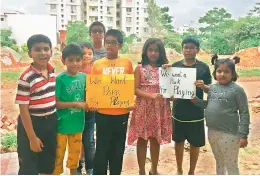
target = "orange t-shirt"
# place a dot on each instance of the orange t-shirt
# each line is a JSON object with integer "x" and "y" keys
{"x": 112, "y": 67}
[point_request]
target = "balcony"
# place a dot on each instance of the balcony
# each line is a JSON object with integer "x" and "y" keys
{"x": 110, "y": 3}
{"x": 93, "y": 13}
{"x": 51, "y": 2}
{"x": 53, "y": 11}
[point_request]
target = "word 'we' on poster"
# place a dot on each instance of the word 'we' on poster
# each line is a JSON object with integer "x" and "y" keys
{"x": 177, "y": 82}
{"x": 110, "y": 91}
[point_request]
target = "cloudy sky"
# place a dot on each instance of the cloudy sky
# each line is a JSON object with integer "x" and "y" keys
{"x": 183, "y": 11}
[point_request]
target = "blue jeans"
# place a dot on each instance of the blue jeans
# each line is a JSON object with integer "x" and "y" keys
{"x": 88, "y": 140}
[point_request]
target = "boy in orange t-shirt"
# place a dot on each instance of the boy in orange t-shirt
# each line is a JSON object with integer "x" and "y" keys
{"x": 111, "y": 124}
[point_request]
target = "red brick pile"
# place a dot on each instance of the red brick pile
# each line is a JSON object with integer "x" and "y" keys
{"x": 7, "y": 125}
{"x": 249, "y": 57}
{"x": 8, "y": 63}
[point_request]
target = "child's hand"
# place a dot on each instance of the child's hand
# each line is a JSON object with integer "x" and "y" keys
{"x": 243, "y": 142}
{"x": 156, "y": 96}
{"x": 200, "y": 84}
{"x": 36, "y": 145}
{"x": 173, "y": 99}
{"x": 81, "y": 105}
{"x": 164, "y": 66}
{"x": 194, "y": 99}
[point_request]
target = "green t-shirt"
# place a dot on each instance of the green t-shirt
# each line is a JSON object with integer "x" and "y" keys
{"x": 71, "y": 89}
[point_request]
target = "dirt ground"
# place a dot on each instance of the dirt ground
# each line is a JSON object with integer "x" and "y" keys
{"x": 249, "y": 159}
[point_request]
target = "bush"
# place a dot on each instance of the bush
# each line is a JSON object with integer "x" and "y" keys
{"x": 15, "y": 47}
{"x": 24, "y": 48}
{"x": 9, "y": 140}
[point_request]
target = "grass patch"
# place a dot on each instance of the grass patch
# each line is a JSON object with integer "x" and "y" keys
{"x": 9, "y": 140}
{"x": 248, "y": 73}
{"x": 10, "y": 76}
{"x": 251, "y": 151}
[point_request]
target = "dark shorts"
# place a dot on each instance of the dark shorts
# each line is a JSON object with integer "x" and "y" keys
{"x": 193, "y": 132}
{"x": 32, "y": 163}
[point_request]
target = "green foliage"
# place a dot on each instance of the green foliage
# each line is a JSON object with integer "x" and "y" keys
{"x": 128, "y": 41}
{"x": 9, "y": 140}
{"x": 166, "y": 19}
{"x": 11, "y": 76}
{"x": 6, "y": 38}
{"x": 248, "y": 73}
{"x": 173, "y": 40}
{"x": 24, "y": 48}
{"x": 255, "y": 10}
{"x": 15, "y": 47}
{"x": 77, "y": 32}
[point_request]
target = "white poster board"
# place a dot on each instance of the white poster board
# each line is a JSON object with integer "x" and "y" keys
{"x": 177, "y": 82}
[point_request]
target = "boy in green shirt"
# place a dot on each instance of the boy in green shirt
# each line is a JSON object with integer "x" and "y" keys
{"x": 71, "y": 106}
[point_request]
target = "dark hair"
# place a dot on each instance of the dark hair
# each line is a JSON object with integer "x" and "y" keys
{"x": 96, "y": 23}
{"x": 86, "y": 45}
{"x": 162, "y": 53}
{"x": 115, "y": 33}
{"x": 214, "y": 58}
{"x": 38, "y": 38}
{"x": 191, "y": 39}
{"x": 71, "y": 49}
{"x": 230, "y": 65}
{"x": 237, "y": 59}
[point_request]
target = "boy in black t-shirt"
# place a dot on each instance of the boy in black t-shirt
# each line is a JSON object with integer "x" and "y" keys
{"x": 189, "y": 119}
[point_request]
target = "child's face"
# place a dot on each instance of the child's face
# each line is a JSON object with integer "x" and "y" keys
{"x": 112, "y": 46}
{"x": 73, "y": 64}
{"x": 189, "y": 51}
{"x": 153, "y": 53}
{"x": 41, "y": 54}
{"x": 88, "y": 56}
{"x": 97, "y": 34}
{"x": 224, "y": 74}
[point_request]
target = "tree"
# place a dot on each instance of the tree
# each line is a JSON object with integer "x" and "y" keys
{"x": 157, "y": 28}
{"x": 6, "y": 38}
{"x": 173, "y": 40}
{"x": 77, "y": 32}
{"x": 255, "y": 10}
{"x": 128, "y": 42}
{"x": 213, "y": 18}
{"x": 166, "y": 19}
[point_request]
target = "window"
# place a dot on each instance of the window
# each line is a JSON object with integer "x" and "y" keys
{"x": 117, "y": 6}
{"x": 2, "y": 19}
{"x": 118, "y": 14}
{"x": 137, "y": 8}
{"x": 128, "y": 10}
{"x": 145, "y": 10}
{"x": 73, "y": 18}
{"x": 73, "y": 9}
{"x": 62, "y": 16}
{"x": 128, "y": 20}
{"x": 137, "y": 28}
{"x": 145, "y": 1}
{"x": 137, "y": 18}
{"x": 53, "y": 7}
{"x": 62, "y": 26}
{"x": 62, "y": 21}
{"x": 137, "y": 3}
{"x": 101, "y": 7}
{"x": 117, "y": 23}
{"x": 146, "y": 19}
{"x": 72, "y": 1}
{"x": 145, "y": 29}
{"x": 62, "y": 10}
{"x": 137, "y": 13}
{"x": 137, "y": 23}
{"x": 108, "y": 9}
{"x": 128, "y": 29}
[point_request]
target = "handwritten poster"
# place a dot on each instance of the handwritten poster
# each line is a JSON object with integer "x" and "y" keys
{"x": 110, "y": 91}
{"x": 177, "y": 82}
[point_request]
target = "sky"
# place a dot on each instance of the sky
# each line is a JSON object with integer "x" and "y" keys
{"x": 185, "y": 12}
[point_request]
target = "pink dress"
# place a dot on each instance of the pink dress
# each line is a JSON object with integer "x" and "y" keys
{"x": 150, "y": 118}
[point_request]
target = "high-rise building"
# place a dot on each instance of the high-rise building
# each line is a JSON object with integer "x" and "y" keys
{"x": 64, "y": 10}
{"x": 128, "y": 15}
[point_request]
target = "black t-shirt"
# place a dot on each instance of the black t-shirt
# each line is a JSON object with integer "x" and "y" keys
{"x": 184, "y": 109}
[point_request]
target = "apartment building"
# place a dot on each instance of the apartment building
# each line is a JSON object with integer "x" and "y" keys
{"x": 64, "y": 11}
{"x": 128, "y": 15}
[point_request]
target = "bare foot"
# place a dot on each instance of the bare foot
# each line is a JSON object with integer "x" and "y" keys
{"x": 191, "y": 173}
{"x": 179, "y": 173}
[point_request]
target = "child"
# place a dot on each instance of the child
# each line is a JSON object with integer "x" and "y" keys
{"x": 97, "y": 31}
{"x": 188, "y": 118}
{"x": 236, "y": 59}
{"x": 36, "y": 132}
{"x": 70, "y": 95}
{"x": 227, "y": 117}
{"x": 151, "y": 118}
{"x": 214, "y": 58}
{"x": 88, "y": 133}
{"x": 111, "y": 124}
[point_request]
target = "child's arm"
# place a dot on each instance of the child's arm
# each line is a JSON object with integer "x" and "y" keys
{"x": 244, "y": 116}
{"x": 139, "y": 92}
{"x": 200, "y": 84}
{"x": 35, "y": 143}
{"x": 200, "y": 103}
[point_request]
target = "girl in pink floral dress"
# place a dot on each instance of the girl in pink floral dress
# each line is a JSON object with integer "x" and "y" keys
{"x": 151, "y": 118}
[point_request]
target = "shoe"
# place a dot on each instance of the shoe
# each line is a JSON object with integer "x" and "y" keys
{"x": 90, "y": 172}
